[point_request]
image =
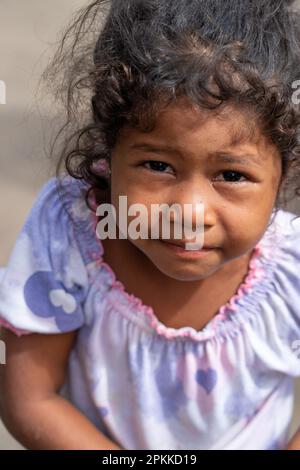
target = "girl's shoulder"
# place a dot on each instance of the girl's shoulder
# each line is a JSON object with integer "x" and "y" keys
{"x": 273, "y": 307}
{"x": 282, "y": 239}
{"x": 45, "y": 282}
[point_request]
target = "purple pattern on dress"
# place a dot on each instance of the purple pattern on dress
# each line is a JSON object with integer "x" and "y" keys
{"x": 46, "y": 297}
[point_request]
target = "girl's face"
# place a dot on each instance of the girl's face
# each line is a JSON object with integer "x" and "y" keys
{"x": 196, "y": 155}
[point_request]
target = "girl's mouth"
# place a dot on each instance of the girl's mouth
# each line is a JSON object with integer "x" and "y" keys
{"x": 180, "y": 250}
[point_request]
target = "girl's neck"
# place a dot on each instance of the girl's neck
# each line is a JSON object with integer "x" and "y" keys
{"x": 175, "y": 303}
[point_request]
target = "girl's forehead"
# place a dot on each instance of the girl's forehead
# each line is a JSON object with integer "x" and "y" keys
{"x": 182, "y": 123}
{"x": 198, "y": 134}
{"x": 194, "y": 119}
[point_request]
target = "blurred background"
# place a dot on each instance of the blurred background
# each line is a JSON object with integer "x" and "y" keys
{"x": 28, "y": 34}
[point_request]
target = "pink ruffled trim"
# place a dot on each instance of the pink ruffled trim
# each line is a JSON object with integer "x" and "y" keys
{"x": 255, "y": 272}
{"x": 10, "y": 327}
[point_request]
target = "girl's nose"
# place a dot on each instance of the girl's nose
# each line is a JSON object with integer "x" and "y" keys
{"x": 200, "y": 203}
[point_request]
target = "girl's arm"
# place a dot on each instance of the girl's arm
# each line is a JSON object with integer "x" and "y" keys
{"x": 294, "y": 443}
{"x": 30, "y": 405}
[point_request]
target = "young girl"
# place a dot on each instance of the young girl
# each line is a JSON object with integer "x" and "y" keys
{"x": 138, "y": 343}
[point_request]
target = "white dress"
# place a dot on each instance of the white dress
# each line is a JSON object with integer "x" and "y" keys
{"x": 145, "y": 385}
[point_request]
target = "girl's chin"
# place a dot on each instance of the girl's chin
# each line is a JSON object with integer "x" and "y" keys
{"x": 183, "y": 271}
{"x": 184, "y": 276}
{"x": 180, "y": 268}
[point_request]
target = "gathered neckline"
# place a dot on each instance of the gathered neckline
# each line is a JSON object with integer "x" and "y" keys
{"x": 257, "y": 267}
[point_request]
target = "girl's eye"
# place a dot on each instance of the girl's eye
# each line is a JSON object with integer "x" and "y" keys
{"x": 233, "y": 176}
{"x": 160, "y": 167}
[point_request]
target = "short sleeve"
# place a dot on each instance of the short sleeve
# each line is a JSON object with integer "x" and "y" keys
{"x": 44, "y": 285}
{"x": 287, "y": 278}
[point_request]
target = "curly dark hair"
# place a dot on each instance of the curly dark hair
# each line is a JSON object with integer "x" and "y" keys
{"x": 120, "y": 62}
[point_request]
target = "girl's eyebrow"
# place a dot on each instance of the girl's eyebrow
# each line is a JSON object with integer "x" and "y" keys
{"x": 242, "y": 159}
{"x": 153, "y": 148}
{"x": 220, "y": 156}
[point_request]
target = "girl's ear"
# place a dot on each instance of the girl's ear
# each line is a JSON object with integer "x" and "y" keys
{"x": 101, "y": 167}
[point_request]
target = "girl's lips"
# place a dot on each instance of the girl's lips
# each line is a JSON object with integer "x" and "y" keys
{"x": 181, "y": 251}
{"x": 183, "y": 244}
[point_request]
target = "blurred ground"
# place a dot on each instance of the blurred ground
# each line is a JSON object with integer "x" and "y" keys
{"x": 26, "y": 30}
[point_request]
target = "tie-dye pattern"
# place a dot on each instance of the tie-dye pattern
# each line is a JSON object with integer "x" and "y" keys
{"x": 143, "y": 384}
